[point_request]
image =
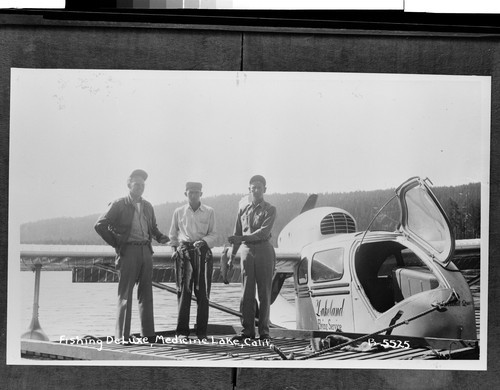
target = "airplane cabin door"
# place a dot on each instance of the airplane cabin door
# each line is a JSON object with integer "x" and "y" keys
{"x": 324, "y": 296}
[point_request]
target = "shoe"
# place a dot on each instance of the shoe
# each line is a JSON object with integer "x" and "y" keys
{"x": 241, "y": 337}
{"x": 203, "y": 338}
{"x": 181, "y": 337}
{"x": 265, "y": 338}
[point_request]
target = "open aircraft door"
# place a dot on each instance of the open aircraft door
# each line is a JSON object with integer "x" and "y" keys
{"x": 424, "y": 221}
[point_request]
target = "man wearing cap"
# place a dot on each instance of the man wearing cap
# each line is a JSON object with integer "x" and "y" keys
{"x": 129, "y": 225}
{"x": 252, "y": 232}
{"x": 192, "y": 234}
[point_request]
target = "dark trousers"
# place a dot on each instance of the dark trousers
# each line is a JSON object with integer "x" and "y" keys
{"x": 257, "y": 269}
{"x": 135, "y": 266}
{"x": 193, "y": 275}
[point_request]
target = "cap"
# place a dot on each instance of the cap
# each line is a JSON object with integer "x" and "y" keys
{"x": 140, "y": 173}
{"x": 258, "y": 178}
{"x": 193, "y": 186}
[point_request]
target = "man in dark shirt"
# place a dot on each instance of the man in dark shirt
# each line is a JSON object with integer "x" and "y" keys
{"x": 129, "y": 225}
{"x": 252, "y": 232}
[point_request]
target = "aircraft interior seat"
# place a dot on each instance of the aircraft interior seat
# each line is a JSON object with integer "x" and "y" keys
{"x": 411, "y": 281}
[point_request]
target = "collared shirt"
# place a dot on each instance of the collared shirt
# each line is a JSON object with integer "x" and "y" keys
{"x": 255, "y": 222}
{"x": 139, "y": 229}
{"x": 189, "y": 225}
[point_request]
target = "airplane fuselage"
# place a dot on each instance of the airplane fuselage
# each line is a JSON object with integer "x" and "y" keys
{"x": 345, "y": 284}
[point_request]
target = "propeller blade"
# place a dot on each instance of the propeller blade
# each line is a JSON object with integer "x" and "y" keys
{"x": 310, "y": 203}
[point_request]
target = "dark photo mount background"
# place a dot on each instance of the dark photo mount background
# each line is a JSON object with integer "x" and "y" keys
{"x": 250, "y": 41}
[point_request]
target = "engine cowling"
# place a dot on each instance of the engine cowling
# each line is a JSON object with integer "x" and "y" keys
{"x": 314, "y": 225}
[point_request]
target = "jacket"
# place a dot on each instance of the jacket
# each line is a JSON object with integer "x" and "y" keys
{"x": 115, "y": 224}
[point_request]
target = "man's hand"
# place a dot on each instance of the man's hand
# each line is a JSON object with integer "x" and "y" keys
{"x": 163, "y": 240}
{"x": 183, "y": 251}
{"x": 199, "y": 243}
{"x": 235, "y": 240}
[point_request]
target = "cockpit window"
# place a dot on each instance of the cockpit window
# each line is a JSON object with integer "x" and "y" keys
{"x": 328, "y": 265}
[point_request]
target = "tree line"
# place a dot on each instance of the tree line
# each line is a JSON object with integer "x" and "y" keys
{"x": 461, "y": 203}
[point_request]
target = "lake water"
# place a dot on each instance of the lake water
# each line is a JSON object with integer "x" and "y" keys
{"x": 79, "y": 309}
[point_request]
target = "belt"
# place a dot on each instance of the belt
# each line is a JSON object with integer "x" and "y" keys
{"x": 255, "y": 242}
{"x": 138, "y": 243}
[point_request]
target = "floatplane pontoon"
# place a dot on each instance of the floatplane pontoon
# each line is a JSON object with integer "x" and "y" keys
{"x": 359, "y": 295}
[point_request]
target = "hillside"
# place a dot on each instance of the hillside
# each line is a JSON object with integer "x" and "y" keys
{"x": 461, "y": 203}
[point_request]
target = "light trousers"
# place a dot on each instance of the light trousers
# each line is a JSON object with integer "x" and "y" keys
{"x": 257, "y": 269}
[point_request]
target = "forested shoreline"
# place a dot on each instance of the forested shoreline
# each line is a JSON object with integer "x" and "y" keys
{"x": 461, "y": 204}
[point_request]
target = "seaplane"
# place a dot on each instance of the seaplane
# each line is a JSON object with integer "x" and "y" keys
{"x": 401, "y": 284}
{"x": 348, "y": 281}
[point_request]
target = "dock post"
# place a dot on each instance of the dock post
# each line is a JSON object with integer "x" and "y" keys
{"x": 35, "y": 330}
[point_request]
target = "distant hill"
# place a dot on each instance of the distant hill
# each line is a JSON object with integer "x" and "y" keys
{"x": 461, "y": 203}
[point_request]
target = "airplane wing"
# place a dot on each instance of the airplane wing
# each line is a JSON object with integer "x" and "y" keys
{"x": 65, "y": 257}
{"x": 88, "y": 262}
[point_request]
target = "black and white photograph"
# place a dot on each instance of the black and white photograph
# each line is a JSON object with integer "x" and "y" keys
{"x": 248, "y": 219}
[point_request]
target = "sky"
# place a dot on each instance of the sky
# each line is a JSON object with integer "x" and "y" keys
{"x": 77, "y": 134}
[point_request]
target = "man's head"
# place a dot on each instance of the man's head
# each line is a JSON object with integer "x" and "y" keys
{"x": 257, "y": 188}
{"x": 193, "y": 193}
{"x": 136, "y": 183}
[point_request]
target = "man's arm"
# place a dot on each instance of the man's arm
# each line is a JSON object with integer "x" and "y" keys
{"x": 264, "y": 232}
{"x": 211, "y": 237}
{"x": 105, "y": 225}
{"x": 159, "y": 236}
{"x": 236, "y": 238}
{"x": 174, "y": 231}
